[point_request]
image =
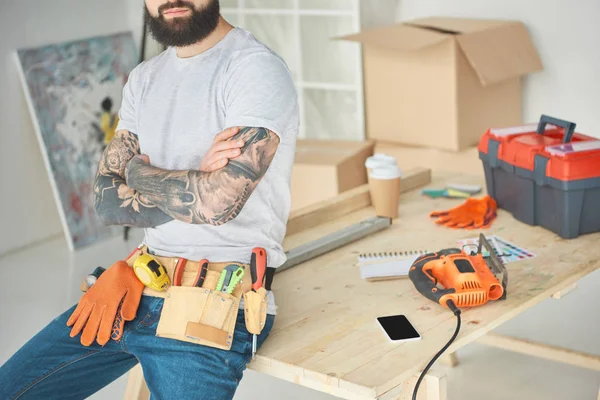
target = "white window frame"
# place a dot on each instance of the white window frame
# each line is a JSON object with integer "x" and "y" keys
{"x": 241, "y": 11}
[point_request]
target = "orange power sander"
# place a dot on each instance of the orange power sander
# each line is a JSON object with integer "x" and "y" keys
{"x": 455, "y": 278}
{"x": 466, "y": 279}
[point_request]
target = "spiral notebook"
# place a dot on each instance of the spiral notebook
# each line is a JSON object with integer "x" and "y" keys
{"x": 387, "y": 265}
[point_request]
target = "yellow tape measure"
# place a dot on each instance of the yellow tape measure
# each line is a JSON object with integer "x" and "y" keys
{"x": 151, "y": 273}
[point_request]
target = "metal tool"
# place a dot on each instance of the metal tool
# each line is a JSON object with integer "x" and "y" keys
{"x": 230, "y": 277}
{"x": 258, "y": 269}
{"x": 234, "y": 279}
{"x": 200, "y": 276}
{"x": 93, "y": 277}
{"x": 334, "y": 240}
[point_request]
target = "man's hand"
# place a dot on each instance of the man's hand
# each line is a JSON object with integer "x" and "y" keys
{"x": 212, "y": 198}
{"x": 222, "y": 150}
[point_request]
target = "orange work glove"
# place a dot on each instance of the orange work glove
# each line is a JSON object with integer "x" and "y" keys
{"x": 112, "y": 300}
{"x": 472, "y": 214}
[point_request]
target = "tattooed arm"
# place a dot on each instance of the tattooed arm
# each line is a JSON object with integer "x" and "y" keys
{"x": 116, "y": 203}
{"x": 207, "y": 197}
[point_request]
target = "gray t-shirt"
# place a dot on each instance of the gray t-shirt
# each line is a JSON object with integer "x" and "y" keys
{"x": 176, "y": 107}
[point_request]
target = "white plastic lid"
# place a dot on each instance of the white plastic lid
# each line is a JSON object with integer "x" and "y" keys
{"x": 386, "y": 172}
{"x": 515, "y": 130}
{"x": 574, "y": 147}
{"x": 379, "y": 159}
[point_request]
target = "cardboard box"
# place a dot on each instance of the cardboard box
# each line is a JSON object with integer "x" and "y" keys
{"x": 323, "y": 169}
{"x": 442, "y": 82}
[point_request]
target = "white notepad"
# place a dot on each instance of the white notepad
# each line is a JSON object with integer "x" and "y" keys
{"x": 387, "y": 265}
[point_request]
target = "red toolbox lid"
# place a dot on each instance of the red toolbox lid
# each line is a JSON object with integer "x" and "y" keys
{"x": 519, "y": 145}
{"x": 572, "y": 161}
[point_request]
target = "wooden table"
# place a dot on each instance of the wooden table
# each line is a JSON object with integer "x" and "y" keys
{"x": 326, "y": 336}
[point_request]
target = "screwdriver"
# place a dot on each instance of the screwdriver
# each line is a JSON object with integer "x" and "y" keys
{"x": 258, "y": 268}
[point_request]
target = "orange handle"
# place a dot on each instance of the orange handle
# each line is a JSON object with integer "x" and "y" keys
{"x": 258, "y": 267}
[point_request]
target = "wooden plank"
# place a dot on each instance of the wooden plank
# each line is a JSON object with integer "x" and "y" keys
{"x": 347, "y": 202}
{"x": 321, "y": 382}
{"x": 326, "y": 320}
{"x": 563, "y": 292}
{"x": 540, "y": 350}
{"x": 136, "y": 385}
{"x": 433, "y": 387}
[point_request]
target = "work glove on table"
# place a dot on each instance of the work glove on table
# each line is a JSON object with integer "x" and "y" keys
{"x": 472, "y": 214}
{"x": 103, "y": 310}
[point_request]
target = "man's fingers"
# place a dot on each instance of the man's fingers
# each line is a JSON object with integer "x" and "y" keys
{"x": 217, "y": 165}
{"x": 227, "y": 133}
{"x": 228, "y": 145}
{"x": 219, "y": 160}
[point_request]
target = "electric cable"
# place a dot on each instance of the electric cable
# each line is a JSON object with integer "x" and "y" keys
{"x": 456, "y": 312}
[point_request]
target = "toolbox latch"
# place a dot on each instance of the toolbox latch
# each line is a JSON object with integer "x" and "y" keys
{"x": 539, "y": 170}
{"x": 493, "y": 147}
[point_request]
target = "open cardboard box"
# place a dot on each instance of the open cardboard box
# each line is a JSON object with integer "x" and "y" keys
{"x": 442, "y": 82}
{"x": 325, "y": 168}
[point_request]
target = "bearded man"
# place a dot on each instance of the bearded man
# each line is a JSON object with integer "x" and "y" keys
{"x": 201, "y": 160}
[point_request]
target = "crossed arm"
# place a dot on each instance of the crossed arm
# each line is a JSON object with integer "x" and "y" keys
{"x": 130, "y": 192}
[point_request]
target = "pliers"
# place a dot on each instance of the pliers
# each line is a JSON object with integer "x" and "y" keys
{"x": 200, "y": 276}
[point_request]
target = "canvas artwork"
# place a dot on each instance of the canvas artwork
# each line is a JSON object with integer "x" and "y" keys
{"x": 74, "y": 92}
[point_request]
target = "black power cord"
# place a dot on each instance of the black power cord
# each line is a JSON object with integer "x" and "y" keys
{"x": 456, "y": 312}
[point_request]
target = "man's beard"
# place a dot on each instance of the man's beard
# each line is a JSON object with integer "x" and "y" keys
{"x": 183, "y": 31}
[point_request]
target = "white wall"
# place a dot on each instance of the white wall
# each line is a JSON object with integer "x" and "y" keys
{"x": 27, "y": 205}
{"x": 566, "y": 34}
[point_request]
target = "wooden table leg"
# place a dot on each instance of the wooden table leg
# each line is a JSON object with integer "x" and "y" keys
{"x": 449, "y": 360}
{"x": 437, "y": 386}
{"x": 136, "y": 385}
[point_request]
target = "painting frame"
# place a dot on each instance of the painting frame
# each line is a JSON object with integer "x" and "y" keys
{"x": 74, "y": 79}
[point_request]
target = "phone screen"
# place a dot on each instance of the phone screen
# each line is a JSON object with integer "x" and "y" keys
{"x": 398, "y": 327}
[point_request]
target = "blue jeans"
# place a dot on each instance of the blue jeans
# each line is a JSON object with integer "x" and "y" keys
{"x": 52, "y": 365}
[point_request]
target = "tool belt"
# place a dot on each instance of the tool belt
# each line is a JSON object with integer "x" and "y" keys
{"x": 203, "y": 315}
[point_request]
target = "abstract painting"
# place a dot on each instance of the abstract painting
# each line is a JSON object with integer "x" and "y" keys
{"x": 74, "y": 92}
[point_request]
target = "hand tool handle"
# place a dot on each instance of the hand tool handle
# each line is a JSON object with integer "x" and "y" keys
{"x": 221, "y": 281}
{"x": 236, "y": 277}
{"x": 423, "y": 282}
{"x": 258, "y": 267}
{"x": 569, "y": 127}
{"x": 202, "y": 270}
{"x": 179, "y": 268}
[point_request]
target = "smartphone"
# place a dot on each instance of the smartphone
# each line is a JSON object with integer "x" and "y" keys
{"x": 398, "y": 328}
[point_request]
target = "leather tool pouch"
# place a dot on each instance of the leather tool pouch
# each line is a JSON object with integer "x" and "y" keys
{"x": 202, "y": 315}
{"x": 255, "y": 310}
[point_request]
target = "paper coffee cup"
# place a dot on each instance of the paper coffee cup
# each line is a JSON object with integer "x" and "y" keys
{"x": 384, "y": 185}
{"x": 378, "y": 160}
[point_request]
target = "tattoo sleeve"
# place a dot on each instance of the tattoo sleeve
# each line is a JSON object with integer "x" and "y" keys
{"x": 213, "y": 198}
{"x": 115, "y": 202}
